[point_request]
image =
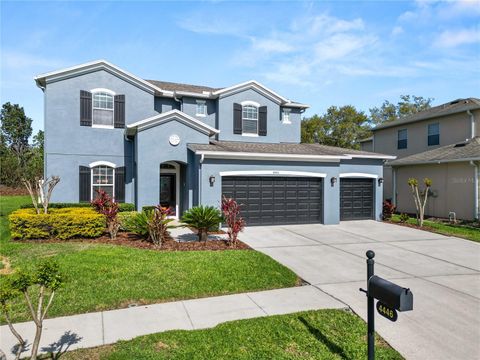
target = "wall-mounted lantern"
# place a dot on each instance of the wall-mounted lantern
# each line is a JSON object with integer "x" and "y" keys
{"x": 380, "y": 181}
{"x": 211, "y": 179}
{"x": 333, "y": 180}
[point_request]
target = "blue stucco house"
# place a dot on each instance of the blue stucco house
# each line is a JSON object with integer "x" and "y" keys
{"x": 149, "y": 142}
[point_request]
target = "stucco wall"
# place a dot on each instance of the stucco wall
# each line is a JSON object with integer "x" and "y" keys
{"x": 153, "y": 148}
{"x": 190, "y": 108}
{"x": 452, "y": 183}
{"x": 276, "y": 130}
{"x": 211, "y": 195}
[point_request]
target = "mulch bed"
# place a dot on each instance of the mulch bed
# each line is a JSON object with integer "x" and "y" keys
{"x": 9, "y": 191}
{"x": 133, "y": 240}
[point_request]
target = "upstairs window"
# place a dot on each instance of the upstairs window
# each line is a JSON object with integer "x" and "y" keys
{"x": 102, "y": 109}
{"x": 201, "y": 108}
{"x": 103, "y": 179}
{"x": 433, "y": 134}
{"x": 249, "y": 119}
{"x": 286, "y": 116}
{"x": 402, "y": 140}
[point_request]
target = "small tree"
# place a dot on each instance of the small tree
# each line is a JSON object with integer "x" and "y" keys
{"x": 202, "y": 218}
{"x": 157, "y": 224}
{"x": 235, "y": 223}
{"x": 104, "y": 205}
{"x": 8, "y": 294}
{"x": 40, "y": 191}
{"x": 47, "y": 279}
{"x": 420, "y": 197}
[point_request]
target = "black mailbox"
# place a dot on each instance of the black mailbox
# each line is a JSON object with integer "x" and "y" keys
{"x": 392, "y": 295}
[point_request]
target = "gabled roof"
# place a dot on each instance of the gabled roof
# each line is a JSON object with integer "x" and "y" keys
{"x": 449, "y": 108}
{"x": 464, "y": 151}
{"x": 169, "y": 116}
{"x": 172, "y": 86}
{"x": 42, "y": 79}
{"x": 282, "y": 151}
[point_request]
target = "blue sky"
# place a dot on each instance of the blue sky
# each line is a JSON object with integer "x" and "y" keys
{"x": 319, "y": 53}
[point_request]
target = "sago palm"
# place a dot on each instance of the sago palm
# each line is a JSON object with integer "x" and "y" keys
{"x": 202, "y": 218}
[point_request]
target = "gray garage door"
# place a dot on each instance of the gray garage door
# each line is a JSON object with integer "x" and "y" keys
{"x": 276, "y": 200}
{"x": 356, "y": 199}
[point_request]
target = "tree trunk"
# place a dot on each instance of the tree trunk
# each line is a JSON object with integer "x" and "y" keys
{"x": 36, "y": 342}
{"x": 202, "y": 235}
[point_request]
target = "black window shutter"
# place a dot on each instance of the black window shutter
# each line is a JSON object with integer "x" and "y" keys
{"x": 119, "y": 111}
{"x": 237, "y": 118}
{"x": 84, "y": 184}
{"x": 262, "y": 121}
{"x": 85, "y": 108}
{"x": 120, "y": 184}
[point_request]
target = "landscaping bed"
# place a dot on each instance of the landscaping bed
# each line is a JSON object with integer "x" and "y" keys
{"x": 135, "y": 241}
{"x": 321, "y": 334}
{"x": 466, "y": 231}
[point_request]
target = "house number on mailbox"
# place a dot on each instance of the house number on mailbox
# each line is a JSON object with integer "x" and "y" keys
{"x": 385, "y": 311}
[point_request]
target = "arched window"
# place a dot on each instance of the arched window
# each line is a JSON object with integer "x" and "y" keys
{"x": 102, "y": 109}
{"x": 103, "y": 177}
{"x": 249, "y": 119}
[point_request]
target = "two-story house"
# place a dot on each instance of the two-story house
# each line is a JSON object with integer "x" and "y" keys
{"x": 441, "y": 143}
{"x": 150, "y": 142}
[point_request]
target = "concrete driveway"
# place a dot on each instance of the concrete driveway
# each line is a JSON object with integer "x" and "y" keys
{"x": 442, "y": 272}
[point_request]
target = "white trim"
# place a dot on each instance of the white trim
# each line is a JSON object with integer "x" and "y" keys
{"x": 249, "y": 134}
{"x": 97, "y": 90}
{"x": 296, "y": 105}
{"x": 269, "y": 156}
{"x": 249, "y": 102}
{"x": 170, "y": 115}
{"x": 102, "y": 126}
{"x": 175, "y": 171}
{"x": 272, "y": 173}
{"x": 251, "y": 84}
{"x": 358, "y": 175}
{"x": 373, "y": 156}
{"x": 101, "y": 162}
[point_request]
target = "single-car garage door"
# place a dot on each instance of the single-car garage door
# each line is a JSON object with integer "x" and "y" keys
{"x": 356, "y": 199}
{"x": 276, "y": 200}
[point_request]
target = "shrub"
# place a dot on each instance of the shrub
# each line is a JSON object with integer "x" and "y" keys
{"x": 58, "y": 223}
{"x": 235, "y": 222}
{"x": 106, "y": 206}
{"x": 124, "y": 218}
{"x": 158, "y": 224}
{"x": 404, "y": 217}
{"x": 388, "y": 210}
{"x": 202, "y": 218}
{"x": 122, "y": 207}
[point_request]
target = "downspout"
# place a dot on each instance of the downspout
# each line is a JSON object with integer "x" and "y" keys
{"x": 475, "y": 191}
{"x": 202, "y": 157}
{"x": 472, "y": 124}
{"x": 178, "y": 100}
{"x": 394, "y": 186}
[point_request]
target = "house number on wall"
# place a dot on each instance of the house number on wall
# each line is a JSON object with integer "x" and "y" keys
{"x": 174, "y": 139}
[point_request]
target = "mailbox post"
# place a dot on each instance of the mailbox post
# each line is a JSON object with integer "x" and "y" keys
{"x": 390, "y": 296}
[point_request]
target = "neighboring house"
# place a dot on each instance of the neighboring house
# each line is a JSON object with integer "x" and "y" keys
{"x": 440, "y": 143}
{"x": 150, "y": 142}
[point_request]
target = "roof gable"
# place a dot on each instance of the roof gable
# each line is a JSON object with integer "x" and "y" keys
{"x": 169, "y": 116}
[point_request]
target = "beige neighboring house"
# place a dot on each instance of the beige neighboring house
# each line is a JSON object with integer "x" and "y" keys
{"x": 441, "y": 143}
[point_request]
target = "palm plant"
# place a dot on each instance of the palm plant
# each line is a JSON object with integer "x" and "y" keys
{"x": 203, "y": 219}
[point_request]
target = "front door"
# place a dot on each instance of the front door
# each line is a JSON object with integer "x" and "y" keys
{"x": 168, "y": 194}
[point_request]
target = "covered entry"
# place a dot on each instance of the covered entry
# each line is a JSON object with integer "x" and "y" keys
{"x": 357, "y": 201}
{"x": 271, "y": 200}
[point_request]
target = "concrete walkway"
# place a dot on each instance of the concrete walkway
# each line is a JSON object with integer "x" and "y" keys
{"x": 443, "y": 273}
{"x": 106, "y": 327}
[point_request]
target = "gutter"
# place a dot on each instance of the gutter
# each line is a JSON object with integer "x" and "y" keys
{"x": 178, "y": 100}
{"x": 472, "y": 124}
{"x": 434, "y": 162}
{"x": 475, "y": 191}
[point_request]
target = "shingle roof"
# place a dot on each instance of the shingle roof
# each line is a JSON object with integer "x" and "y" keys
{"x": 282, "y": 148}
{"x": 464, "y": 151}
{"x": 171, "y": 86}
{"x": 452, "y": 107}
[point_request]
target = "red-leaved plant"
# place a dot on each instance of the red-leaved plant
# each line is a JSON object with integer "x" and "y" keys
{"x": 388, "y": 209}
{"x": 158, "y": 224}
{"x": 233, "y": 219}
{"x": 105, "y": 205}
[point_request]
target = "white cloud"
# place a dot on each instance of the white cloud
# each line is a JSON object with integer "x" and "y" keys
{"x": 271, "y": 45}
{"x": 15, "y": 60}
{"x": 339, "y": 46}
{"x": 454, "y": 38}
{"x": 397, "y": 30}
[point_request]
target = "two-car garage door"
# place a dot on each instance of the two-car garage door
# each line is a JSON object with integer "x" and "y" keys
{"x": 277, "y": 200}
{"x": 296, "y": 200}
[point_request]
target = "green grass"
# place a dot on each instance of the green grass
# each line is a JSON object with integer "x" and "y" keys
{"x": 323, "y": 334}
{"x": 463, "y": 231}
{"x": 100, "y": 276}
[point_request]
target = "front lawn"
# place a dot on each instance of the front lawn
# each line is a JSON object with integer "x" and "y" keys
{"x": 463, "y": 231}
{"x": 101, "y": 276}
{"x": 323, "y": 334}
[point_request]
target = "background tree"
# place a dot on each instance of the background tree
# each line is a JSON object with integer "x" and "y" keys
{"x": 339, "y": 126}
{"x": 408, "y": 105}
{"x": 16, "y": 128}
